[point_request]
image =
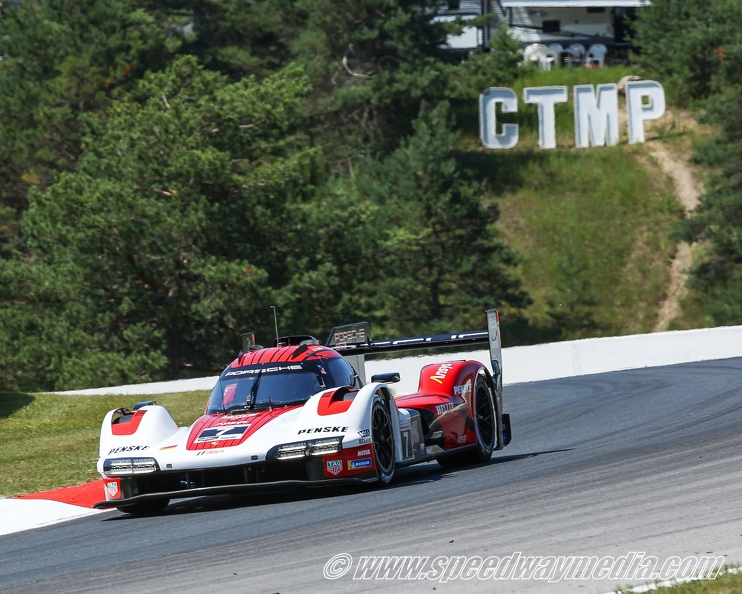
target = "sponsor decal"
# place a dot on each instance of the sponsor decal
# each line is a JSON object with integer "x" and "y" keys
{"x": 112, "y": 489}
{"x": 352, "y": 336}
{"x": 364, "y": 432}
{"x": 462, "y": 390}
{"x": 362, "y": 463}
{"x": 422, "y": 448}
{"x": 363, "y": 453}
{"x": 404, "y": 424}
{"x": 335, "y": 429}
{"x": 264, "y": 370}
{"x": 204, "y": 452}
{"x": 461, "y": 439}
{"x": 168, "y": 448}
{"x": 334, "y": 467}
{"x": 236, "y": 421}
{"x": 437, "y": 434}
{"x": 444, "y": 408}
{"x": 441, "y": 372}
{"x": 364, "y": 440}
{"x": 137, "y": 448}
{"x": 215, "y": 434}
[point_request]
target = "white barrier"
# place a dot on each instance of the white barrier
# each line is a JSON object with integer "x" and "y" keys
{"x": 585, "y": 357}
{"x": 530, "y": 363}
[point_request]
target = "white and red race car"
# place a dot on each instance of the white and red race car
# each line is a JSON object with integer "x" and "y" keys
{"x": 298, "y": 413}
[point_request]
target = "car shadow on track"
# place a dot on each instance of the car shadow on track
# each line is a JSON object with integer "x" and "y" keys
{"x": 415, "y": 475}
{"x": 405, "y": 478}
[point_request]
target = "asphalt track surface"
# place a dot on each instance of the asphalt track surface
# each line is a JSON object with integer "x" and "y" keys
{"x": 645, "y": 460}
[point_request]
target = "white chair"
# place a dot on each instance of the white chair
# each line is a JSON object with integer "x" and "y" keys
{"x": 576, "y": 51}
{"x": 529, "y": 53}
{"x": 559, "y": 51}
{"x": 539, "y": 53}
{"x": 596, "y": 53}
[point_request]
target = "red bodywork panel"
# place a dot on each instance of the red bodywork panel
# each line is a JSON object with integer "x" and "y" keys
{"x": 287, "y": 354}
{"x": 349, "y": 462}
{"x": 334, "y": 402}
{"x": 129, "y": 426}
{"x": 223, "y": 431}
{"x": 446, "y": 392}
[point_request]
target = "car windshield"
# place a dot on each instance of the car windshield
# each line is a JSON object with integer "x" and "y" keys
{"x": 259, "y": 387}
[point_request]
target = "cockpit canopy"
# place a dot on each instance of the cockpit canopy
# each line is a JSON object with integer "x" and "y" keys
{"x": 273, "y": 385}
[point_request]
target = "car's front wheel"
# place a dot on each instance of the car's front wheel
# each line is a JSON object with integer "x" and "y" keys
{"x": 382, "y": 434}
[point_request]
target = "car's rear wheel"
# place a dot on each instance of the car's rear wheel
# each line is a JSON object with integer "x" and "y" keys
{"x": 382, "y": 434}
{"x": 485, "y": 420}
{"x": 145, "y": 508}
{"x": 485, "y": 428}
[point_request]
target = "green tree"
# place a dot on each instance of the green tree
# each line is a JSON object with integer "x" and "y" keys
{"x": 695, "y": 49}
{"x": 63, "y": 59}
{"x": 717, "y": 220}
{"x": 442, "y": 262}
{"x": 165, "y": 243}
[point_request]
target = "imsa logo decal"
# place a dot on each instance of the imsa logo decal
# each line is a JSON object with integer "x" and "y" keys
{"x": 334, "y": 467}
{"x": 221, "y": 434}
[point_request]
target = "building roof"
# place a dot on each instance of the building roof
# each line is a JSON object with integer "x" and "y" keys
{"x": 572, "y": 3}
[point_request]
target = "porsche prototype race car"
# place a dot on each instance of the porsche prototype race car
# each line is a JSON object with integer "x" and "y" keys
{"x": 299, "y": 413}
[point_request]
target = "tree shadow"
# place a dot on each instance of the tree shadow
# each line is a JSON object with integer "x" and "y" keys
{"x": 502, "y": 170}
{"x": 11, "y": 402}
{"x": 518, "y": 331}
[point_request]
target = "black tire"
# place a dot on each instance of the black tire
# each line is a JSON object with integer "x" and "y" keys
{"x": 485, "y": 420}
{"x": 145, "y": 508}
{"x": 382, "y": 434}
{"x": 485, "y": 428}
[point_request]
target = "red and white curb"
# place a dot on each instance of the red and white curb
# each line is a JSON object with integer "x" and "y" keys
{"x": 36, "y": 510}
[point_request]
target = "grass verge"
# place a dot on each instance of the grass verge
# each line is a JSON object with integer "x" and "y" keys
{"x": 729, "y": 581}
{"x": 52, "y": 441}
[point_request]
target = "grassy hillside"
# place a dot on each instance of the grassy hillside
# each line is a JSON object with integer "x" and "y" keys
{"x": 592, "y": 226}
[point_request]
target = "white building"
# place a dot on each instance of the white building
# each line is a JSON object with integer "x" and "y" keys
{"x": 547, "y": 21}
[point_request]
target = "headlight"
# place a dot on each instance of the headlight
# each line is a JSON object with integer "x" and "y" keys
{"x": 292, "y": 450}
{"x": 122, "y": 466}
{"x": 320, "y": 447}
{"x": 300, "y": 449}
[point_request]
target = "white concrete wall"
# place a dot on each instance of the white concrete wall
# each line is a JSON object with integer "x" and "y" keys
{"x": 531, "y": 363}
{"x": 585, "y": 357}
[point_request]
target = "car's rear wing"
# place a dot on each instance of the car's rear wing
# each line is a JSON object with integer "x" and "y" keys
{"x": 354, "y": 342}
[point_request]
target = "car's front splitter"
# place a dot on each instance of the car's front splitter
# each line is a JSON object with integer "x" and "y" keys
{"x": 230, "y": 489}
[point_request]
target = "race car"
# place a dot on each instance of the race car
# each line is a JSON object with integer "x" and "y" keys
{"x": 299, "y": 413}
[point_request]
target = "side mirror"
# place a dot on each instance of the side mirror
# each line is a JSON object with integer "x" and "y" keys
{"x": 139, "y": 405}
{"x": 388, "y": 378}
